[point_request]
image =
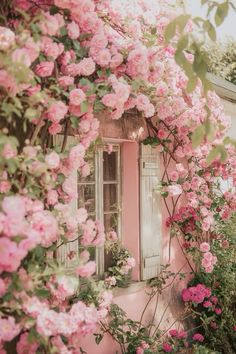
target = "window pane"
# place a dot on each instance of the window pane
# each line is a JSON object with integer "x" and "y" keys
{"x": 110, "y": 197}
{"x": 110, "y": 221}
{"x": 110, "y": 166}
{"x": 86, "y": 195}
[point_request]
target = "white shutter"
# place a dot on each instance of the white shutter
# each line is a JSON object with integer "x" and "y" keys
{"x": 150, "y": 212}
{"x": 64, "y": 250}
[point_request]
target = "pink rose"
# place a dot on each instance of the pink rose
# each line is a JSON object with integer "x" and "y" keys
{"x": 24, "y": 345}
{"x": 55, "y": 128}
{"x": 53, "y": 50}
{"x": 20, "y": 55}
{"x": 65, "y": 81}
{"x": 86, "y": 67}
{"x": 57, "y": 111}
{"x": 204, "y": 247}
{"x": 73, "y": 30}
{"x": 7, "y": 38}
{"x": 86, "y": 270}
{"x": 44, "y": 223}
{"x": 77, "y": 96}
{"x": 49, "y": 25}
{"x": 142, "y": 102}
{"x": 53, "y": 160}
{"x": 167, "y": 348}
{"x": 5, "y": 186}
{"x": 218, "y": 310}
{"x": 9, "y": 328}
{"x": 44, "y": 69}
{"x": 82, "y": 215}
{"x": 198, "y": 337}
{"x": 174, "y": 190}
{"x": 103, "y": 57}
{"x": 174, "y": 176}
{"x": 8, "y": 152}
{"x": 149, "y": 111}
{"x": 52, "y": 197}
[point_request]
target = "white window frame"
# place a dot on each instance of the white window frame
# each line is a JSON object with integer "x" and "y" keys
{"x": 99, "y": 198}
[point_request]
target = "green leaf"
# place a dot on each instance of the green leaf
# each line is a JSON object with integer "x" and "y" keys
{"x": 76, "y": 44}
{"x": 63, "y": 31}
{"x": 198, "y": 136}
{"x": 98, "y": 106}
{"x": 192, "y": 82}
{"x": 74, "y": 122}
{"x": 221, "y": 13}
{"x": 183, "y": 42}
{"x": 170, "y": 31}
{"x": 210, "y": 29}
{"x": 84, "y": 106}
{"x": 42, "y": 293}
{"x": 182, "y": 21}
{"x": 98, "y": 338}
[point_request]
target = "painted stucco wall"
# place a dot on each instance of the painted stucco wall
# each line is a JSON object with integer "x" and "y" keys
{"x": 133, "y": 299}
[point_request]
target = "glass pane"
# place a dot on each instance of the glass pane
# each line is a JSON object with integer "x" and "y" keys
{"x": 110, "y": 222}
{"x": 110, "y": 197}
{"x": 86, "y": 195}
{"x": 110, "y": 166}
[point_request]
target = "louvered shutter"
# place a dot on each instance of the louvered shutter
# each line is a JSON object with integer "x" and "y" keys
{"x": 64, "y": 250}
{"x": 150, "y": 212}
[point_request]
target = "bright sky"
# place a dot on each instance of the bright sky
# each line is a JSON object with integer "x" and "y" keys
{"x": 228, "y": 28}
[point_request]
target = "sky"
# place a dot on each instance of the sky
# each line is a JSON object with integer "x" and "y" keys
{"x": 228, "y": 28}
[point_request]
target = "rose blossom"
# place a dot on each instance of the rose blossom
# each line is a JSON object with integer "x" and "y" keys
{"x": 7, "y": 38}
{"x": 44, "y": 69}
{"x": 44, "y": 223}
{"x": 55, "y": 128}
{"x": 198, "y": 337}
{"x": 52, "y": 197}
{"x": 174, "y": 190}
{"x": 9, "y": 329}
{"x": 204, "y": 247}
{"x": 65, "y": 81}
{"x": 53, "y": 160}
{"x": 86, "y": 67}
{"x": 167, "y": 347}
{"x": 86, "y": 270}
{"x": 76, "y": 97}
{"x": 57, "y": 111}
{"x": 8, "y": 151}
{"x": 24, "y": 345}
{"x": 73, "y": 30}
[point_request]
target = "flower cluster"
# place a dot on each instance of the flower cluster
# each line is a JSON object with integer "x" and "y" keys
{"x": 122, "y": 263}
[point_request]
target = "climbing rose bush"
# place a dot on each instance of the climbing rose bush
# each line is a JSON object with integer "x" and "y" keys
{"x": 63, "y": 62}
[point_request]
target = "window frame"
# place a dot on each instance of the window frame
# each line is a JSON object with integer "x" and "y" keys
{"x": 99, "y": 197}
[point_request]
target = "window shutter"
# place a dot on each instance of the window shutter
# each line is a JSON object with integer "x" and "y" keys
{"x": 150, "y": 212}
{"x": 64, "y": 250}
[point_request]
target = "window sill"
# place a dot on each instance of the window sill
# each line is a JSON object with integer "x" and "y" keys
{"x": 132, "y": 288}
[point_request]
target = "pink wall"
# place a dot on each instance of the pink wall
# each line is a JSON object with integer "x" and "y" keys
{"x": 130, "y": 202}
{"x": 133, "y": 300}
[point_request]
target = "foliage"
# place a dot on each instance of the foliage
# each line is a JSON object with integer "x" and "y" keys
{"x": 119, "y": 270}
{"x": 221, "y": 58}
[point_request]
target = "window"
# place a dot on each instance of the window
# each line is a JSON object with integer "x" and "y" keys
{"x": 100, "y": 194}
